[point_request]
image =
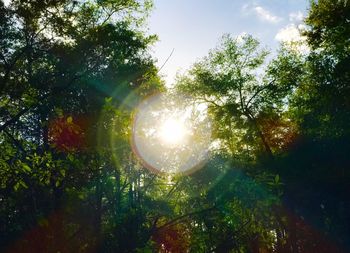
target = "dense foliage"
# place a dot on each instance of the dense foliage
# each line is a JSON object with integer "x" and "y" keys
{"x": 71, "y": 75}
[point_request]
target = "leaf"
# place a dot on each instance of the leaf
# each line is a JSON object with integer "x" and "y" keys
{"x": 23, "y": 184}
{"x": 43, "y": 222}
{"x": 26, "y": 168}
{"x": 69, "y": 119}
{"x": 108, "y": 99}
{"x": 277, "y": 178}
{"x": 63, "y": 172}
{"x": 70, "y": 157}
{"x": 59, "y": 112}
{"x": 19, "y": 184}
{"x": 16, "y": 186}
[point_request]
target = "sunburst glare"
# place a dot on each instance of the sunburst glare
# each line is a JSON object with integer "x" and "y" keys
{"x": 170, "y": 134}
{"x": 173, "y": 131}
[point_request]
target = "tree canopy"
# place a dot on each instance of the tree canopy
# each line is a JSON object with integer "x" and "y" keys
{"x": 77, "y": 76}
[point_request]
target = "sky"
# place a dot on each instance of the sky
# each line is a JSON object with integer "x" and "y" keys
{"x": 193, "y": 27}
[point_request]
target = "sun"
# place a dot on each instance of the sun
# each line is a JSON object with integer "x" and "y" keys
{"x": 171, "y": 134}
{"x": 172, "y": 131}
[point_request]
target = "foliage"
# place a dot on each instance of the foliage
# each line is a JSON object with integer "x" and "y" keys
{"x": 71, "y": 75}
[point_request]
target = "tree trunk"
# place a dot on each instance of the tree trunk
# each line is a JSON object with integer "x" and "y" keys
{"x": 260, "y": 133}
{"x": 98, "y": 210}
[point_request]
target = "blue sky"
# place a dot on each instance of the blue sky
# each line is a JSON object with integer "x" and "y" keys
{"x": 192, "y": 27}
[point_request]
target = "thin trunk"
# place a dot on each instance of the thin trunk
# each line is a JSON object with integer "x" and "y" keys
{"x": 131, "y": 195}
{"x": 260, "y": 133}
{"x": 98, "y": 209}
{"x": 117, "y": 194}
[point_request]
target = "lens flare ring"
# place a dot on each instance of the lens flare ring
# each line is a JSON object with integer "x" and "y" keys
{"x": 171, "y": 134}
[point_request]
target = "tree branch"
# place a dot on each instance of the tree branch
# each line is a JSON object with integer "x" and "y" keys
{"x": 167, "y": 59}
{"x": 181, "y": 217}
{"x": 41, "y": 101}
{"x": 258, "y": 91}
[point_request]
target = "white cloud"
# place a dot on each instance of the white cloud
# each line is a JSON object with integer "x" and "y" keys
{"x": 288, "y": 34}
{"x": 291, "y": 36}
{"x": 266, "y": 15}
{"x": 296, "y": 16}
{"x": 260, "y": 12}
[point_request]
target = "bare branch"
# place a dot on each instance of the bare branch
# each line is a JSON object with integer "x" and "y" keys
{"x": 166, "y": 60}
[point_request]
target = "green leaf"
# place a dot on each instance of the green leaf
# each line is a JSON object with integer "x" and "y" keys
{"x": 63, "y": 172}
{"x": 16, "y": 186}
{"x": 23, "y": 184}
{"x": 70, "y": 157}
{"x": 277, "y": 178}
{"x": 108, "y": 99}
{"x": 26, "y": 168}
{"x": 20, "y": 183}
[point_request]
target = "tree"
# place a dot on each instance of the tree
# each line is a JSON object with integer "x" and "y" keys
{"x": 315, "y": 160}
{"x": 62, "y": 65}
{"x": 71, "y": 75}
{"x": 228, "y": 81}
{"x": 242, "y": 104}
